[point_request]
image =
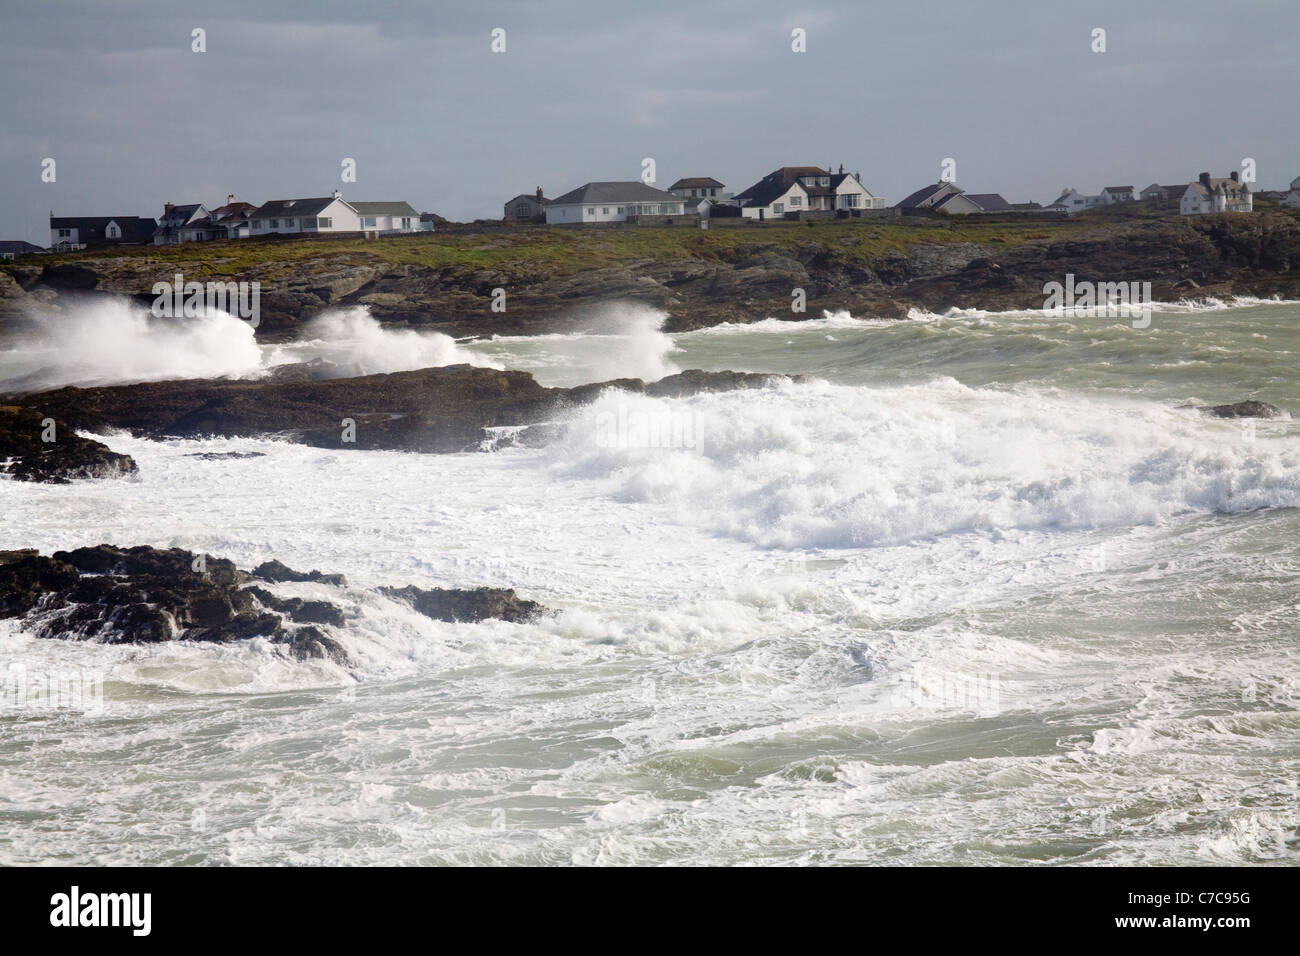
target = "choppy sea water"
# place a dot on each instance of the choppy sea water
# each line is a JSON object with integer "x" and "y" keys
{"x": 981, "y": 593}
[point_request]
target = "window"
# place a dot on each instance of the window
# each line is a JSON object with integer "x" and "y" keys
{"x": 324, "y": 222}
{"x": 65, "y": 233}
{"x": 368, "y": 221}
{"x": 273, "y": 224}
{"x": 620, "y": 210}
{"x": 290, "y": 224}
{"x": 796, "y": 201}
{"x": 113, "y": 231}
{"x": 604, "y": 210}
{"x": 591, "y": 210}
{"x": 778, "y": 208}
{"x": 406, "y": 222}
{"x": 713, "y": 192}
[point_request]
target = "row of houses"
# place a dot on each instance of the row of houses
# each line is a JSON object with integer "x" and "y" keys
{"x": 195, "y": 222}
{"x": 782, "y": 193}
{"x": 1206, "y": 195}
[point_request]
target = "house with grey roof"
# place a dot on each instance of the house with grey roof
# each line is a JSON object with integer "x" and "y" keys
{"x": 13, "y": 248}
{"x": 1073, "y": 201}
{"x": 1114, "y": 194}
{"x": 526, "y": 207}
{"x": 796, "y": 189}
{"x": 594, "y": 203}
{"x": 315, "y": 216}
{"x": 78, "y": 232}
{"x": 952, "y": 199}
{"x": 697, "y": 187}
{"x": 175, "y": 218}
{"x": 1157, "y": 193}
{"x": 1211, "y": 195}
{"x": 387, "y": 218}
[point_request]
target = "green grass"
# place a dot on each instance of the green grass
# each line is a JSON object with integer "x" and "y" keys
{"x": 566, "y": 251}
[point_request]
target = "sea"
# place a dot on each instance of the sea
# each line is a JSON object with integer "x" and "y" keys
{"x": 970, "y": 588}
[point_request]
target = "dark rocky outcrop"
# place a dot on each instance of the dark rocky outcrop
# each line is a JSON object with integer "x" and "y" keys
{"x": 144, "y": 595}
{"x": 1246, "y": 409}
{"x": 276, "y": 572}
{"x": 446, "y": 409}
{"x": 452, "y": 605}
{"x": 27, "y": 456}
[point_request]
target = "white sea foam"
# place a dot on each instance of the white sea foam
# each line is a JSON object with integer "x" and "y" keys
{"x": 112, "y": 341}
{"x": 106, "y": 341}
{"x": 834, "y": 466}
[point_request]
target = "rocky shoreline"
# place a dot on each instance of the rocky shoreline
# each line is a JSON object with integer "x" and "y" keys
{"x": 435, "y": 410}
{"x": 872, "y": 268}
{"x": 143, "y": 595}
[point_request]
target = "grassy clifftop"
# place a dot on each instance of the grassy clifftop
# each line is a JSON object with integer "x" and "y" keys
{"x": 731, "y": 272}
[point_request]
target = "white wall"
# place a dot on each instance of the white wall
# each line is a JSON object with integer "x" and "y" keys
{"x": 586, "y": 213}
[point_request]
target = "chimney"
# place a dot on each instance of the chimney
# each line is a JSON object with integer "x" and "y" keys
{"x": 337, "y": 194}
{"x": 1205, "y": 180}
{"x": 539, "y": 192}
{"x": 1233, "y": 174}
{"x": 841, "y": 169}
{"x": 230, "y": 198}
{"x": 167, "y": 207}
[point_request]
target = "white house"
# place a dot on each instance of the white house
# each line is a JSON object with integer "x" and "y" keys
{"x": 611, "y": 202}
{"x": 305, "y": 216}
{"x": 697, "y": 187}
{"x": 1208, "y": 195}
{"x": 1073, "y": 201}
{"x": 175, "y": 218}
{"x": 1114, "y": 194}
{"x": 805, "y": 188}
{"x": 1291, "y": 199}
{"x": 387, "y": 217}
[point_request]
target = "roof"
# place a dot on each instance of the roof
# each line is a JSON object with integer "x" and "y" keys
{"x": 530, "y": 196}
{"x": 384, "y": 209}
{"x": 697, "y": 182}
{"x": 989, "y": 202}
{"x": 776, "y": 183}
{"x": 924, "y": 193}
{"x": 91, "y": 228}
{"x": 186, "y": 210}
{"x": 233, "y": 209}
{"x": 1117, "y": 189}
{"x": 291, "y": 207}
{"x": 16, "y": 247}
{"x": 615, "y": 192}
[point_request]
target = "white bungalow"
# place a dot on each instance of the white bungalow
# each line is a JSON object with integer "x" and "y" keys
{"x": 304, "y": 216}
{"x": 1114, "y": 194}
{"x": 611, "y": 202}
{"x": 387, "y": 218}
{"x": 1073, "y": 201}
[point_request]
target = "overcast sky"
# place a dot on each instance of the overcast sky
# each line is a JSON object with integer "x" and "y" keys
{"x": 1012, "y": 91}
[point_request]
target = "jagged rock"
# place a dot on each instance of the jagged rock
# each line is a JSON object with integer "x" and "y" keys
{"x": 300, "y": 610}
{"x": 276, "y": 572}
{"x": 1247, "y": 409}
{"x": 449, "y": 604}
{"x": 447, "y": 409}
{"x": 307, "y": 643}
{"x": 27, "y": 456}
